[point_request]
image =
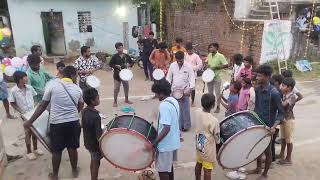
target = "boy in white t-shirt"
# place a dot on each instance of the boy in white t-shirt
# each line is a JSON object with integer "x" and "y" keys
{"x": 207, "y": 136}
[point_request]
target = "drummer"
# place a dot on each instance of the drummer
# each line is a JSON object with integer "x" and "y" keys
{"x": 118, "y": 62}
{"x": 181, "y": 77}
{"x": 168, "y": 140}
{"x": 216, "y": 62}
{"x": 269, "y": 108}
{"x": 86, "y": 65}
{"x": 65, "y": 99}
{"x": 160, "y": 58}
{"x": 195, "y": 61}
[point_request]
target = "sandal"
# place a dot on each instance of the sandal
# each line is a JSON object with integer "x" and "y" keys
{"x": 31, "y": 156}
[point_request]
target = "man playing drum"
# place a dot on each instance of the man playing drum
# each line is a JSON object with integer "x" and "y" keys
{"x": 168, "y": 139}
{"x": 160, "y": 58}
{"x": 65, "y": 99}
{"x": 182, "y": 79}
{"x": 216, "y": 62}
{"x": 86, "y": 64}
{"x": 269, "y": 108}
{"x": 118, "y": 62}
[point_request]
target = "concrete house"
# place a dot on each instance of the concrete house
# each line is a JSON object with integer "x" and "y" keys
{"x": 61, "y": 27}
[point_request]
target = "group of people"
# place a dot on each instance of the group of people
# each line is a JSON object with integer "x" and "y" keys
{"x": 254, "y": 89}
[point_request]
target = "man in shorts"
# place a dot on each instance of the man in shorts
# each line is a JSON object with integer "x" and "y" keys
{"x": 65, "y": 98}
{"x": 168, "y": 140}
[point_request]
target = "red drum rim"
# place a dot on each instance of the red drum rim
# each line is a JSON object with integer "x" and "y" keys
{"x": 134, "y": 133}
{"x": 234, "y": 136}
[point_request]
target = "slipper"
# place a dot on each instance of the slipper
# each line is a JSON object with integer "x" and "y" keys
{"x": 31, "y": 156}
{"x": 233, "y": 175}
{"x": 75, "y": 173}
{"x": 38, "y": 152}
{"x": 284, "y": 162}
{"x": 51, "y": 176}
{"x": 11, "y": 159}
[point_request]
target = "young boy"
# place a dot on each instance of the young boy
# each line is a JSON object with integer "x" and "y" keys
{"x": 231, "y": 103}
{"x": 288, "y": 101}
{"x": 289, "y": 74}
{"x": 91, "y": 123}
{"x": 237, "y": 65}
{"x": 118, "y": 62}
{"x": 276, "y": 80}
{"x": 178, "y": 47}
{"x": 60, "y": 66}
{"x": 37, "y": 77}
{"x": 207, "y": 136}
{"x": 246, "y": 70}
{"x": 21, "y": 99}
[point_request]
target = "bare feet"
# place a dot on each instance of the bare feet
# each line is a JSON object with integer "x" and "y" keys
{"x": 255, "y": 171}
{"x": 128, "y": 102}
{"x": 9, "y": 116}
{"x": 115, "y": 105}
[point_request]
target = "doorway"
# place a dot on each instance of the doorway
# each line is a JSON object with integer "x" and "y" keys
{"x": 53, "y": 32}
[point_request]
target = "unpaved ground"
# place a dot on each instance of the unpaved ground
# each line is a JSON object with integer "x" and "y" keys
{"x": 306, "y": 157}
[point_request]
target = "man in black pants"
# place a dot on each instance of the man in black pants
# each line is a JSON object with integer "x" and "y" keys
{"x": 149, "y": 45}
{"x": 65, "y": 99}
{"x": 269, "y": 108}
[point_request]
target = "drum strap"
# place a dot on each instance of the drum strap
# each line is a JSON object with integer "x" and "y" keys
{"x": 64, "y": 87}
{"x": 170, "y": 102}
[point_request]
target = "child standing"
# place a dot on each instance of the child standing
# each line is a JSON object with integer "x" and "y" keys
{"x": 60, "y": 66}
{"x": 237, "y": 65}
{"x": 207, "y": 136}
{"x": 37, "y": 77}
{"x": 21, "y": 99}
{"x": 246, "y": 71}
{"x": 91, "y": 123}
{"x": 232, "y": 102}
{"x": 289, "y": 74}
{"x": 246, "y": 96}
{"x": 288, "y": 101}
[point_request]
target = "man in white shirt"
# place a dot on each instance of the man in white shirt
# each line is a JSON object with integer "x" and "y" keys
{"x": 182, "y": 79}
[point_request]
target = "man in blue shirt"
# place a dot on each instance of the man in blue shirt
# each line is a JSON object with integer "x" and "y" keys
{"x": 269, "y": 108}
{"x": 168, "y": 140}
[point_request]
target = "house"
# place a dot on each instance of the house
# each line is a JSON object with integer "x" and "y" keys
{"x": 61, "y": 27}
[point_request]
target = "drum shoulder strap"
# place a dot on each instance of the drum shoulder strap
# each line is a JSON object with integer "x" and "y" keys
{"x": 170, "y": 102}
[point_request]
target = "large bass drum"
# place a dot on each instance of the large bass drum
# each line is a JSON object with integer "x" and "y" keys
{"x": 123, "y": 143}
{"x": 40, "y": 128}
{"x": 244, "y": 138}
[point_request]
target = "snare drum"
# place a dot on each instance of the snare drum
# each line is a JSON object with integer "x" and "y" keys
{"x": 158, "y": 74}
{"x": 244, "y": 138}
{"x": 93, "y": 81}
{"x": 126, "y": 75}
{"x": 123, "y": 143}
{"x": 40, "y": 128}
{"x": 178, "y": 94}
{"x": 208, "y": 76}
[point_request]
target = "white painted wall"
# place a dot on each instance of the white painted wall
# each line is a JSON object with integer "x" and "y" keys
{"x": 107, "y": 25}
{"x": 241, "y": 9}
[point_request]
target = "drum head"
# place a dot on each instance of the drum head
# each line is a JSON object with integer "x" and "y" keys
{"x": 125, "y": 149}
{"x": 158, "y": 74}
{"x": 208, "y": 75}
{"x": 244, "y": 147}
{"x": 178, "y": 94}
{"x": 93, "y": 81}
{"x": 126, "y": 74}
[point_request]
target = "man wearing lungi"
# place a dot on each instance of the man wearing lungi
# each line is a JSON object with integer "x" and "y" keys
{"x": 182, "y": 78}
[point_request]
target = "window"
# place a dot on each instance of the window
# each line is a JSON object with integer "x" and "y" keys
{"x": 84, "y": 19}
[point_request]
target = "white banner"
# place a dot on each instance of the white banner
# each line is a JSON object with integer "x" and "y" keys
{"x": 276, "y": 40}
